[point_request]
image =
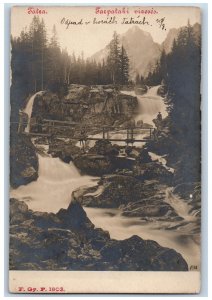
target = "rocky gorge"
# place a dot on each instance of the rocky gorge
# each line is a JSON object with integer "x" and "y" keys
{"x": 134, "y": 183}
{"x": 69, "y": 241}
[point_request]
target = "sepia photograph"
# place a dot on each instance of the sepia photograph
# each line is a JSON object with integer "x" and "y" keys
{"x": 105, "y": 144}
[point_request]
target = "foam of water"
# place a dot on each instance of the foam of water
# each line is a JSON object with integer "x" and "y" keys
{"x": 53, "y": 190}
{"x": 121, "y": 227}
{"x": 149, "y": 106}
{"x": 119, "y": 134}
{"x": 58, "y": 180}
{"x": 181, "y": 207}
{"x": 54, "y": 186}
{"x": 161, "y": 160}
{"x": 28, "y": 109}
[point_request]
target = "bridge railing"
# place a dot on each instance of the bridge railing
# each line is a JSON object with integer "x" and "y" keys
{"x": 129, "y": 133}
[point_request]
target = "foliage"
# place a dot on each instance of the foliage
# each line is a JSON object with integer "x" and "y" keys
{"x": 180, "y": 71}
{"x": 38, "y": 64}
{"x": 118, "y": 62}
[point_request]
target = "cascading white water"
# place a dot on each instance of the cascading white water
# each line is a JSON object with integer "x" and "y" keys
{"x": 53, "y": 190}
{"x": 181, "y": 207}
{"x": 57, "y": 181}
{"x": 57, "y": 171}
{"x": 161, "y": 160}
{"x": 149, "y": 105}
{"x": 121, "y": 227}
{"x": 54, "y": 186}
{"x": 28, "y": 109}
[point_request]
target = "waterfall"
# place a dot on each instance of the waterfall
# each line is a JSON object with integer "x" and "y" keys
{"x": 57, "y": 180}
{"x": 55, "y": 170}
{"x": 28, "y": 109}
{"x": 149, "y": 105}
{"x": 54, "y": 186}
{"x": 161, "y": 160}
{"x": 181, "y": 207}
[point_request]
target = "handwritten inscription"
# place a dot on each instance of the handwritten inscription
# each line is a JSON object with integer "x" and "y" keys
{"x": 138, "y": 20}
{"x": 161, "y": 23}
{"x": 68, "y": 22}
{"x": 113, "y": 20}
{"x": 112, "y": 16}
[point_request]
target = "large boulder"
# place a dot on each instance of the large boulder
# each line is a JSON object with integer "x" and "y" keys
{"x": 104, "y": 147}
{"x": 112, "y": 191}
{"x": 75, "y": 217}
{"x": 140, "y": 90}
{"x": 18, "y": 211}
{"x": 151, "y": 171}
{"x": 23, "y": 161}
{"x": 65, "y": 150}
{"x": 153, "y": 258}
{"x": 151, "y": 210}
{"x": 162, "y": 90}
{"x": 93, "y": 164}
{"x": 144, "y": 156}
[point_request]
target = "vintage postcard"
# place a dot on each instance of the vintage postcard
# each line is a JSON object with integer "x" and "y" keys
{"x": 105, "y": 146}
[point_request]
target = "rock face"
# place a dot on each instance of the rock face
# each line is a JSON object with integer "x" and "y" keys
{"x": 162, "y": 90}
{"x": 80, "y": 103}
{"x": 23, "y": 161}
{"x": 68, "y": 241}
{"x": 141, "y": 49}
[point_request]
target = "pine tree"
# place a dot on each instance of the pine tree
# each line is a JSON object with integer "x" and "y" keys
{"x": 114, "y": 59}
{"x": 124, "y": 62}
{"x": 37, "y": 33}
{"x": 163, "y": 66}
{"x": 183, "y": 69}
{"x": 54, "y": 63}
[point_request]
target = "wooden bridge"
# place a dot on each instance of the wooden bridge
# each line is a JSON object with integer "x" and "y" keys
{"x": 47, "y": 129}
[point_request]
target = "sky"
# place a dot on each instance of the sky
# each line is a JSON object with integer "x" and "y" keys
{"x": 90, "y": 38}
